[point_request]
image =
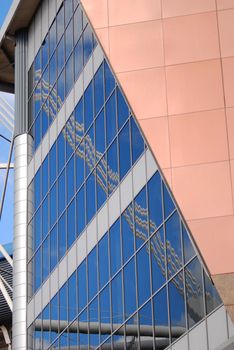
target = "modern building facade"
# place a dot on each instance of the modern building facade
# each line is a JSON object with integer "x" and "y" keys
{"x": 123, "y": 173}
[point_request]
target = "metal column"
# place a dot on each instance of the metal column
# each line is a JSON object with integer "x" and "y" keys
{"x": 22, "y": 153}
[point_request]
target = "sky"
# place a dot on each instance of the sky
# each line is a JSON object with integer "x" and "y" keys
{"x": 6, "y": 223}
{"x": 4, "y": 7}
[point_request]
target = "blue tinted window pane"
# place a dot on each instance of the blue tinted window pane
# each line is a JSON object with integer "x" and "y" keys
{"x": 79, "y": 165}
{"x": 72, "y": 297}
{"x": 141, "y": 218}
{"x": 127, "y": 233}
{"x": 110, "y": 119}
{"x": 61, "y": 86}
{"x": 77, "y": 24}
{"x": 169, "y": 206}
{"x": 61, "y": 193}
{"x": 112, "y": 167}
{"x": 37, "y": 269}
{"x": 60, "y": 23}
{"x": 45, "y": 176}
{"x": 70, "y": 172}
{"x": 117, "y": 299}
{"x": 84, "y": 338}
{"x": 130, "y": 288}
{"x": 37, "y": 98}
{"x": 143, "y": 274}
{"x": 80, "y": 207}
{"x": 68, "y": 10}
{"x": 54, "y": 313}
{"x": 93, "y": 317}
{"x": 63, "y": 303}
{"x": 115, "y": 247}
{"x": 189, "y": 251}
{"x": 212, "y": 297}
{"x": 109, "y": 80}
{"x": 46, "y": 317}
{"x": 155, "y": 202}
{"x": 45, "y": 217}
{"x": 79, "y": 121}
{"x": 194, "y": 292}
{"x": 176, "y": 298}
{"x": 173, "y": 243}
{"x": 61, "y": 151}
{"x": 53, "y": 205}
{"x": 45, "y": 52}
{"x": 45, "y": 258}
{"x": 123, "y": 111}
{"x": 105, "y": 308}
{"x": 100, "y": 136}
{"x": 69, "y": 74}
{"x": 52, "y": 34}
{"x": 37, "y": 67}
{"x": 37, "y": 188}
{"x": 70, "y": 136}
{"x": 45, "y": 117}
{"x": 53, "y": 164}
{"x": 71, "y": 224}
{"x": 78, "y": 58}
{"x": 88, "y": 43}
{"x": 160, "y": 308}
{"x": 88, "y": 106}
{"x": 89, "y": 151}
{"x": 90, "y": 197}
{"x": 124, "y": 151}
{"x": 101, "y": 182}
{"x": 82, "y": 289}
{"x": 37, "y": 139}
{"x": 53, "y": 106}
{"x": 53, "y": 70}
{"x": 45, "y": 84}
{"x": 145, "y": 319}
{"x": 60, "y": 55}
{"x": 157, "y": 250}
{"x": 99, "y": 89}
{"x": 92, "y": 273}
{"x": 53, "y": 248}
{"x": 62, "y": 236}
{"x": 103, "y": 261}
{"x": 137, "y": 141}
{"x": 37, "y": 229}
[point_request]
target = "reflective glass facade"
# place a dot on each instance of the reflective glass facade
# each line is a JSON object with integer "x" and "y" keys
{"x": 143, "y": 285}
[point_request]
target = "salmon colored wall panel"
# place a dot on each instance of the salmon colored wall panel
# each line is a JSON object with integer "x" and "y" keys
{"x": 168, "y": 176}
{"x": 228, "y": 76}
{"x": 173, "y": 8}
{"x": 184, "y": 38}
{"x": 170, "y": 71}
{"x": 194, "y": 87}
{"x": 131, "y": 11}
{"x": 226, "y": 30}
{"x": 225, "y": 4}
{"x": 103, "y": 35}
{"x": 97, "y": 12}
{"x": 230, "y": 123}
{"x": 136, "y": 46}
{"x": 203, "y": 190}
{"x": 198, "y": 138}
{"x": 219, "y": 231}
{"x": 146, "y": 92}
{"x": 232, "y": 176}
{"x": 156, "y": 132}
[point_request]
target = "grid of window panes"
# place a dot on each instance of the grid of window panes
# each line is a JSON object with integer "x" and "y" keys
{"x": 57, "y": 65}
{"x": 97, "y": 147}
{"x": 143, "y": 284}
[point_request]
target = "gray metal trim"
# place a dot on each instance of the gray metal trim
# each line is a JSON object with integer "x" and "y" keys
{"x": 21, "y": 82}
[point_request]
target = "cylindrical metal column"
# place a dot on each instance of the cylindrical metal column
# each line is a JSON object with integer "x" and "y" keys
{"x": 22, "y": 154}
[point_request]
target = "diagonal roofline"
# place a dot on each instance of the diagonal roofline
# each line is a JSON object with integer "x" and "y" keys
{"x": 19, "y": 16}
